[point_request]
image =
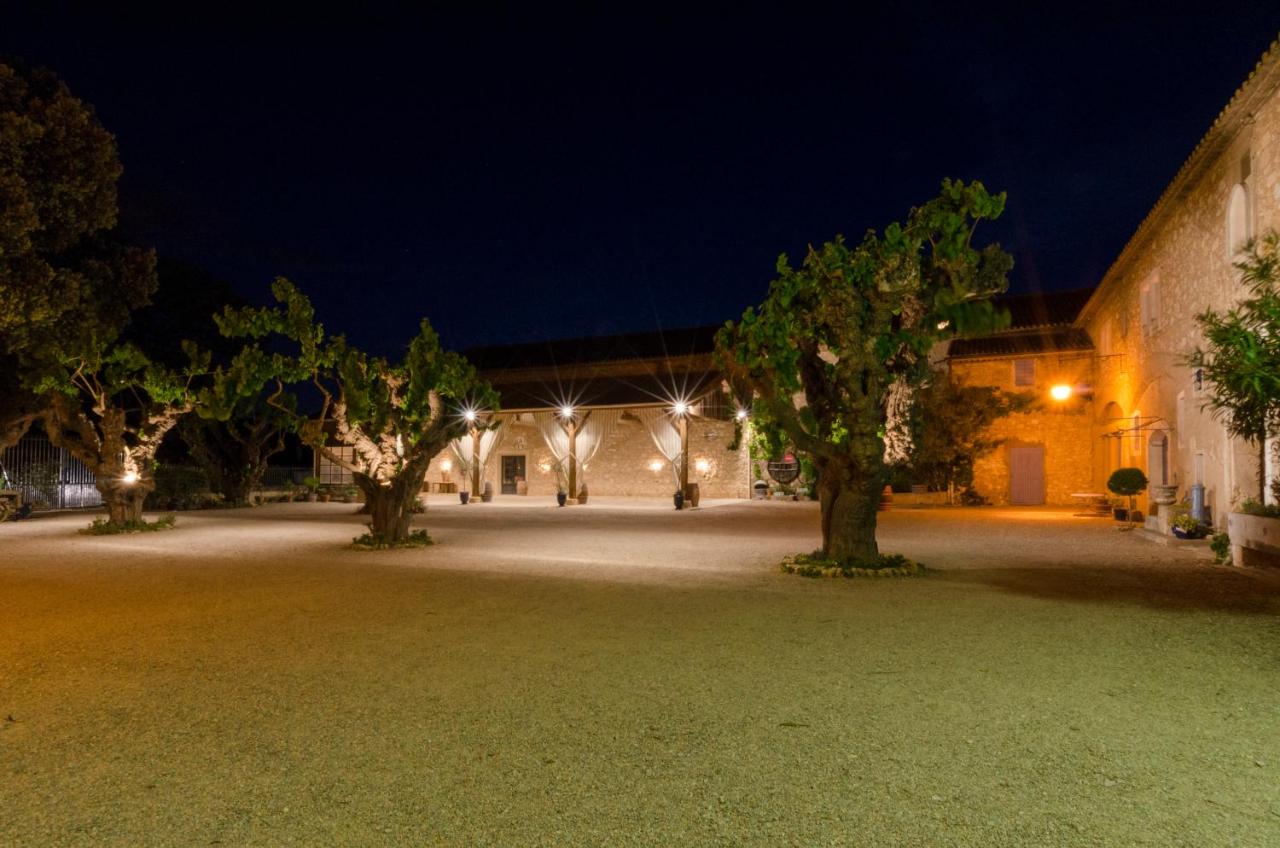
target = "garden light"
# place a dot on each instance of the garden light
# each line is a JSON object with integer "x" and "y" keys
{"x": 1060, "y": 392}
{"x": 680, "y": 408}
{"x": 470, "y": 415}
{"x": 566, "y": 412}
{"x": 130, "y": 477}
{"x": 742, "y": 415}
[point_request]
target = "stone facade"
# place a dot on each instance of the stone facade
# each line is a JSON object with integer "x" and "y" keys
{"x": 627, "y": 464}
{"x": 1142, "y": 316}
{"x": 1061, "y": 428}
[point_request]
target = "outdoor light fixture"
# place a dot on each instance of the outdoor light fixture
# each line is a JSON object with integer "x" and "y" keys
{"x": 655, "y": 466}
{"x": 702, "y": 466}
{"x": 680, "y": 408}
{"x": 446, "y": 465}
{"x": 566, "y": 412}
{"x": 742, "y": 415}
{"x": 1060, "y": 392}
{"x": 942, "y": 325}
{"x": 130, "y": 477}
{"x": 470, "y": 415}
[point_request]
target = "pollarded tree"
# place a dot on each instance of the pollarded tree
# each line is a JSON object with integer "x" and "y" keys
{"x": 1241, "y": 356}
{"x": 839, "y": 343}
{"x": 395, "y": 415}
{"x": 112, "y": 409}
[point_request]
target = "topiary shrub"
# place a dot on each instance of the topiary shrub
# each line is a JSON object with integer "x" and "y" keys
{"x": 1129, "y": 483}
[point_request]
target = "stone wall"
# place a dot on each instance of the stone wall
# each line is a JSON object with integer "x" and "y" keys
{"x": 1062, "y": 428}
{"x": 627, "y": 464}
{"x": 1143, "y": 317}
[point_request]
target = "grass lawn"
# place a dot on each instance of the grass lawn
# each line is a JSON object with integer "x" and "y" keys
{"x": 611, "y": 676}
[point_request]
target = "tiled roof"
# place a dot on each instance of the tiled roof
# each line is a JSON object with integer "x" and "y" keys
{"x": 1055, "y": 340}
{"x": 564, "y": 352}
{"x": 1043, "y": 309}
{"x": 629, "y": 390}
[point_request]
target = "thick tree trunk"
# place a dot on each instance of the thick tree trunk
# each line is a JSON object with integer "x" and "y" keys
{"x": 123, "y": 500}
{"x": 390, "y": 508}
{"x": 849, "y": 523}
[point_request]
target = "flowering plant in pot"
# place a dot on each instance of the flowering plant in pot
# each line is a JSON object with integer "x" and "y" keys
{"x": 1185, "y": 526}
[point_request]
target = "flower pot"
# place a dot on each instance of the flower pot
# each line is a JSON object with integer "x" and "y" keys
{"x": 1120, "y": 513}
{"x": 562, "y": 498}
{"x": 1179, "y": 533}
{"x": 312, "y": 497}
{"x": 679, "y": 499}
{"x": 1164, "y": 495}
{"x": 464, "y": 497}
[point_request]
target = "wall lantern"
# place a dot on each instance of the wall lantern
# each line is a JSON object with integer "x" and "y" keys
{"x": 702, "y": 466}
{"x": 680, "y": 408}
{"x": 446, "y": 465}
{"x": 1060, "y": 392}
{"x": 655, "y": 466}
{"x": 566, "y": 412}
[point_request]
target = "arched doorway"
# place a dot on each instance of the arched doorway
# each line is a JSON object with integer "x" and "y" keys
{"x": 1158, "y": 458}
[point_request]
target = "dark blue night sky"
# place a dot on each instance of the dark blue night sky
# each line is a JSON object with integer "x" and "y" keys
{"x": 517, "y": 177}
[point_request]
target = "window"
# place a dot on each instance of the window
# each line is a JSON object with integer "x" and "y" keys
{"x": 1149, "y": 306}
{"x": 332, "y": 474}
{"x": 1104, "y": 339}
{"x": 1024, "y": 372}
{"x": 1238, "y": 229}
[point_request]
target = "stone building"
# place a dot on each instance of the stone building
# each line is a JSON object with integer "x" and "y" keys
{"x": 1147, "y": 402}
{"x": 628, "y": 397}
{"x": 1046, "y": 453}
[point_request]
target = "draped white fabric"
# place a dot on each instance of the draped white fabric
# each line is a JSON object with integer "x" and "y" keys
{"x": 665, "y": 436}
{"x": 464, "y": 446}
{"x": 556, "y": 438}
{"x": 599, "y": 425}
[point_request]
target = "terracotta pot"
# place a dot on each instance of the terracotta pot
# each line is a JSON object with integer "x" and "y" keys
{"x": 464, "y": 497}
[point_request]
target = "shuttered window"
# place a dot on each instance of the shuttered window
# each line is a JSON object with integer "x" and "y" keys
{"x": 1024, "y": 372}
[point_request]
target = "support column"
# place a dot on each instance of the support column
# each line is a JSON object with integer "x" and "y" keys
{"x": 682, "y": 425}
{"x": 475, "y": 463}
{"x": 571, "y": 428}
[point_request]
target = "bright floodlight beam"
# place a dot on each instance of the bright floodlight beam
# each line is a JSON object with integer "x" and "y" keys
{"x": 1060, "y": 392}
{"x": 742, "y": 415}
{"x": 566, "y": 411}
{"x": 680, "y": 408}
{"x": 469, "y": 414}
{"x": 130, "y": 477}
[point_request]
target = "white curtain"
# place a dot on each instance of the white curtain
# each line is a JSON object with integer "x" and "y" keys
{"x": 556, "y": 438}
{"x": 464, "y": 446}
{"x": 599, "y": 425}
{"x": 665, "y": 436}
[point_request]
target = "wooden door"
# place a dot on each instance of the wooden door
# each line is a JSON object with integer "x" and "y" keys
{"x": 1026, "y": 476}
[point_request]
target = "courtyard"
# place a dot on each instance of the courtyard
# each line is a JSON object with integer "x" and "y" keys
{"x": 624, "y": 674}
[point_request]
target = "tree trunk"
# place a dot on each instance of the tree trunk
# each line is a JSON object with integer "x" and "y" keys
{"x": 849, "y": 523}
{"x": 390, "y": 508}
{"x": 123, "y": 500}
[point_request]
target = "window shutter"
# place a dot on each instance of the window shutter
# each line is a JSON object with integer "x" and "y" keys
{"x": 1024, "y": 372}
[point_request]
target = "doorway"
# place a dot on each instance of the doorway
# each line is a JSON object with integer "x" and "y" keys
{"x": 1026, "y": 476}
{"x": 512, "y": 474}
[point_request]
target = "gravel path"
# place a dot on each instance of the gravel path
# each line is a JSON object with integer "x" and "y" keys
{"x": 628, "y": 675}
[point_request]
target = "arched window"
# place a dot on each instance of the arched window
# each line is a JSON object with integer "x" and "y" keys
{"x": 1238, "y": 230}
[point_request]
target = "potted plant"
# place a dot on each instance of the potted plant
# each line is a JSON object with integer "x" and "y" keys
{"x": 326, "y": 494}
{"x": 1187, "y": 527}
{"x": 486, "y": 494}
{"x": 679, "y": 499}
{"x": 350, "y": 494}
{"x": 582, "y": 494}
{"x": 561, "y": 497}
{"x": 312, "y": 485}
{"x": 464, "y": 496}
{"x": 1127, "y": 483}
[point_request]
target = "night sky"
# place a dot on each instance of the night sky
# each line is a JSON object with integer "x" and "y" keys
{"x": 518, "y": 177}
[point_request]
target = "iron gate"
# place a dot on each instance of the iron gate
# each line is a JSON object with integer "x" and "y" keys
{"x": 48, "y": 476}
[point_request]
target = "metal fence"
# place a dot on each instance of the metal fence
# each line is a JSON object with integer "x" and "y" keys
{"x": 48, "y": 476}
{"x": 285, "y": 476}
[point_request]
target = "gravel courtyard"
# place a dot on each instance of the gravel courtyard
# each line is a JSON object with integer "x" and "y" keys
{"x": 622, "y": 674}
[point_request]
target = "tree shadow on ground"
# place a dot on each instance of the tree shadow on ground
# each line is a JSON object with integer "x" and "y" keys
{"x": 1207, "y": 589}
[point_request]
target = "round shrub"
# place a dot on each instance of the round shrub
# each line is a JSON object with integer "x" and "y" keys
{"x": 1127, "y": 481}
